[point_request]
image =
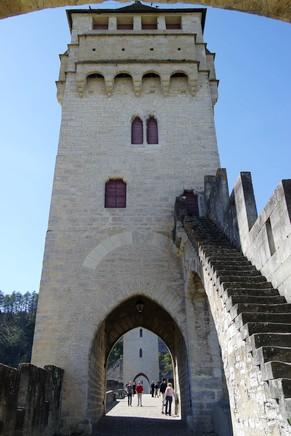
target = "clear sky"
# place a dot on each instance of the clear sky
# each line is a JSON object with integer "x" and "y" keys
{"x": 253, "y": 64}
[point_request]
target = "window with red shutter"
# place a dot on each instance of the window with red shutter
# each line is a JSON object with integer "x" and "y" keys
{"x": 115, "y": 194}
{"x": 152, "y": 131}
{"x": 137, "y": 131}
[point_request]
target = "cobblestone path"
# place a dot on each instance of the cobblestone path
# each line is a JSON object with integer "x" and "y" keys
{"x": 147, "y": 420}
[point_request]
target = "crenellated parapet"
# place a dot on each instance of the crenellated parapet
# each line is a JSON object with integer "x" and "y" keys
{"x": 136, "y": 43}
{"x": 264, "y": 238}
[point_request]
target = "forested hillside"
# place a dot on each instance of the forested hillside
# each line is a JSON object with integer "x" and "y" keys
{"x": 17, "y": 319}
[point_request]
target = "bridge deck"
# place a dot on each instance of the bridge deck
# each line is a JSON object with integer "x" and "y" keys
{"x": 148, "y": 420}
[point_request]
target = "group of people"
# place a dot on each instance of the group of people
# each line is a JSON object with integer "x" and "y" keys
{"x": 131, "y": 390}
{"x": 164, "y": 389}
{"x": 155, "y": 389}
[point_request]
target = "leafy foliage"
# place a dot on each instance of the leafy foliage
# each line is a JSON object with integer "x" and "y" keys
{"x": 116, "y": 353}
{"x": 17, "y": 320}
{"x": 166, "y": 366}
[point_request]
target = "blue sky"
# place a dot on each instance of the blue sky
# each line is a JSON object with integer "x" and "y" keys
{"x": 253, "y": 64}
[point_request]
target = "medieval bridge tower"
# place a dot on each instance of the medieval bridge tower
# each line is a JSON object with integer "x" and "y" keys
{"x": 137, "y": 88}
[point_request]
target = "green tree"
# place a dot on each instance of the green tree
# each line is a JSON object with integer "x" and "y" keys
{"x": 116, "y": 353}
{"x": 17, "y": 320}
{"x": 166, "y": 366}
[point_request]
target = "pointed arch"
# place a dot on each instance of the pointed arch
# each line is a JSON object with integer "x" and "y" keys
{"x": 142, "y": 374}
{"x": 137, "y": 131}
{"x": 152, "y": 130}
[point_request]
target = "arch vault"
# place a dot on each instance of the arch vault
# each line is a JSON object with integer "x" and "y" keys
{"x": 279, "y": 9}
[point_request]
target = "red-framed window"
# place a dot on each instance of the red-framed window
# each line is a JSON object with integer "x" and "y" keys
{"x": 137, "y": 131}
{"x": 115, "y": 193}
{"x": 152, "y": 131}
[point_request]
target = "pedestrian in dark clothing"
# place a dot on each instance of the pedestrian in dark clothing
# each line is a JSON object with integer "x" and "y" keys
{"x": 156, "y": 390}
{"x": 163, "y": 387}
{"x": 129, "y": 393}
{"x": 133, "y": 388}
{"x": 152, "y": 388}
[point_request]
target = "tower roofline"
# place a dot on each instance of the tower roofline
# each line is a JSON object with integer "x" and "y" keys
{"x": 138, "y": 8}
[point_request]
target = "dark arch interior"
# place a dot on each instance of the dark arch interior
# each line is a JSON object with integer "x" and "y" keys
{"x": 141, "y": 374}
{"x": 123, "y": 76}
{"x": 153, "y": 317}
{"x": 95, "y": 76}
{"x": 151, "y": 76}
{"x": 177, "y": 75}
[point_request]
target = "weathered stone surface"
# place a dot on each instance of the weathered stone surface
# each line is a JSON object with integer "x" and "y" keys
{"x": 98, "y": 260}
{"x": 271, "y": 370}
{"x": 30, "y": 400}
{"x": 280, "y": 387}
{"x": 271, "y": 339}
{"x": 9, "y": 382}
{"x": 249, "y": 361}
{"x": 264, "y": 239}
{"x": 280, "y": 9}
{"x": 269, "y": 353}
{"x": 262, "y": 327}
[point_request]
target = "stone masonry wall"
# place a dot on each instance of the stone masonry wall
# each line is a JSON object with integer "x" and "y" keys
{"x": 30, "y": 400}
{"x": 256, "y": 410}
{"x": 264, "y": 239}
{"x": 97, "y": 258}
{"x": 134, "y": 364}
{"x": 208, "y": 389}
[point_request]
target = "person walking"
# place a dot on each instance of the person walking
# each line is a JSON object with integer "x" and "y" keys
{"x": 157, "y": 389}
{"x": 129, "y": 393}
{"x": 139, "y": 391}
{"x": 163, "y": 387}
{"x": 152, "y": 388}
{"x": 133, "y": 389}
{"x": 170, "y": 396}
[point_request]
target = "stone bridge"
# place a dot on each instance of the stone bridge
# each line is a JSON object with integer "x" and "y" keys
{"x": 252, "y": 315}
{"x": 237, "y": 278}
{"x": 279, "y": 9}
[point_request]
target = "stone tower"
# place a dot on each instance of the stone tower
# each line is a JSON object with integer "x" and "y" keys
{"x": 137, "y": 88}
{"x": 141, "y": 357}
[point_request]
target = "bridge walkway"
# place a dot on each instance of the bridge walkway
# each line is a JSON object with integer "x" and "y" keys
{"x": 148, "y": 420}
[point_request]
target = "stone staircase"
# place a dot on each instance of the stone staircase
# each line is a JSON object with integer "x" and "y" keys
{"x": 259, "y": 312}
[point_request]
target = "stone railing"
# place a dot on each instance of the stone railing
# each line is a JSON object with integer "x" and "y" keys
{"x": 30, "y": 400}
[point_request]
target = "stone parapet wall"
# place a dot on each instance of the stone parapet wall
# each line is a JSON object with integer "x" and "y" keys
{"x": 252, "y": 322}
{"x": 30, "y": 400}
{"x": 264, "y": 239}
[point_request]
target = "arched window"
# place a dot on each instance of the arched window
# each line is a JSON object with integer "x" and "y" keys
{"x": 152, "y": 131}
{"x": 140, "y": 352}
{"x": 115, "y": 193}
{"x": 140, "y": 333}
{"x": 137, "y": 131}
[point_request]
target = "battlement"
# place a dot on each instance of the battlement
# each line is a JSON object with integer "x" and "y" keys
{"x": 264, "y": 239}
{"x": 137, "y": 40}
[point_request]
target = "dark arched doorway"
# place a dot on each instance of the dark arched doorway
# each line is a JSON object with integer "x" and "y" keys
{"x": 135, "y": 312}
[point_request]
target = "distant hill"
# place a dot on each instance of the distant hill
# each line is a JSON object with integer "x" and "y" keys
{"x": 17, "y": 320}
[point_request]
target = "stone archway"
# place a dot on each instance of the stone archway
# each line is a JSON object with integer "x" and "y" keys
{"x": 209, "y": 393}
{"x": 144, "y": 377}
{"x": 123, "y": 318}
{"x": 279, "y": 9}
